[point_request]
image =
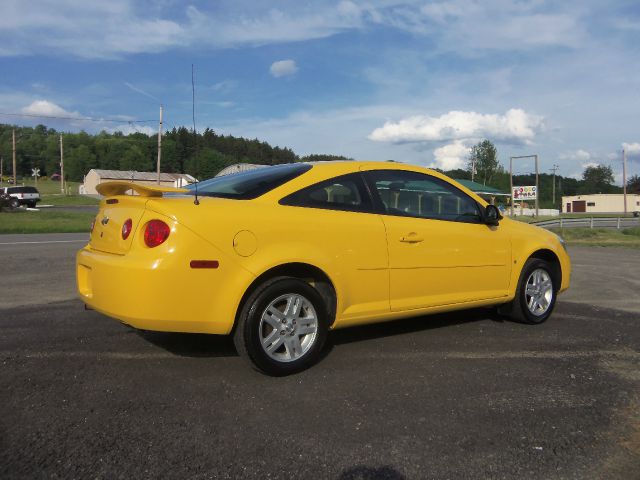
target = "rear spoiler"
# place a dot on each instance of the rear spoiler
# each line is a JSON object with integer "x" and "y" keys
{"x": 118, "y": 187}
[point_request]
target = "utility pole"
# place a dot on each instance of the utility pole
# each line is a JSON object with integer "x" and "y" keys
{"x": 624, "y": 178}
{"x": 555, "y": 167}
{"x": 13, "y": 151}
{"x": 473, "y": 168}
{"x": 1, "y": 168}
{"x": 537, "y": 186}
{"x": 159, "y": 144}
{"x": 61, "y": 166}
{"x": 511, "y": 182}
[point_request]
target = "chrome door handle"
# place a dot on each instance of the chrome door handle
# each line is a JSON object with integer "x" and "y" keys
{"x": 411, "y": 238}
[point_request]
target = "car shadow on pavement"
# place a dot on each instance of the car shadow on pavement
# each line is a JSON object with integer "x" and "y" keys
{"x": 413, "y": 324}
{"x": 191, "y": 344}
{"x": 203, "y": 345}
{"x": 371, "y": 473}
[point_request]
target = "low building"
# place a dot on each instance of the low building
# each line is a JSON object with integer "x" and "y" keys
{"x": 96, "y": 176}
{"x": 238, "y": 168}
{"x": 600, "y": 203}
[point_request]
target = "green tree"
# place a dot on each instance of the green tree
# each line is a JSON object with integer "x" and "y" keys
{"x": 134, "y": 159}
{"x": 597, "y": 179}
{"x": 485, "y": 158}
{"x": 77, "y": 162}
{"x": 633, "y": 184}
{"x": 207, "y": 163}
{"x": 315, "y": 157}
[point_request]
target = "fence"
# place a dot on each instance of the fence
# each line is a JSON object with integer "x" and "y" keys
{"x": 590, "y": 222}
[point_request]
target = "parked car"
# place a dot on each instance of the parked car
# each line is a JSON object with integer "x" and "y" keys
{"x": 278, "y": 256}
{"x": 7, "y": 201}
{"x": 24, "y": 195}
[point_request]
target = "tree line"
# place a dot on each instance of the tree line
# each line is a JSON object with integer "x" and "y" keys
{"x": 202, "y": 154}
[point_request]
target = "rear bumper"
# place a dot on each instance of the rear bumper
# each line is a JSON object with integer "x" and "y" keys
{"x": 565, "y": 267}
{"x": 155, "y": 289}
{"x": 27, "y": 201}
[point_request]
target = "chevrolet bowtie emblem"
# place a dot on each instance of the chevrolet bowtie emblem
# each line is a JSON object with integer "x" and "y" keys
{"x": 104, "y": 220}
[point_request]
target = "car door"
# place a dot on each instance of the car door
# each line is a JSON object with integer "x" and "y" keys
{"x": 338, "y": 219}
{"x": 440, "y": 252}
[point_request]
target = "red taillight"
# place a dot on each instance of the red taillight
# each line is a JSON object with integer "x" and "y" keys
{"x": 126, "y": 229}
{"x": 155, "y": 233}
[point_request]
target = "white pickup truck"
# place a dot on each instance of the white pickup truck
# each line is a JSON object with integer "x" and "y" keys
{"x": 24, "y": 195}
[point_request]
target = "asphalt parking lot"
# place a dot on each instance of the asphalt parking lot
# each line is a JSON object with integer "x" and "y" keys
{"x": 462, "y": 395}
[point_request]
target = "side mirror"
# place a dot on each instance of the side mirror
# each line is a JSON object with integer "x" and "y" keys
{"x": 492, "y": 215}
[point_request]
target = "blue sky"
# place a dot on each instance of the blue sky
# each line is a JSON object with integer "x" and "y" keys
{"x": 413, "y": 81}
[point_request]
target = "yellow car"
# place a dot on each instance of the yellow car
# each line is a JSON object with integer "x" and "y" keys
{"x": 278, "y": 256}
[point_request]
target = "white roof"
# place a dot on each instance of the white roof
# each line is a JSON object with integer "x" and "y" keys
{"x": 146, "y": 176}
{"x": 239, "y": 167}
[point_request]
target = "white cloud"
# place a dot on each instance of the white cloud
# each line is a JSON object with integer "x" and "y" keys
{"x": 283, "y": 68}
{"x": 46, "y": 108}
{"x": 98, "y": 29}
{"x": 633, "y": 151}
{"x": 451, "y": 156}
{"x": 515, "y": 126}
{"x": 579, "y": 155}
{"x": 589, "y": 165}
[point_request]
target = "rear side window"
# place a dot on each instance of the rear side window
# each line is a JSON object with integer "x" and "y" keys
{"x": 250, "y": 184}
{"x": 346, "y": 192}
{"x": 22, "y": 190}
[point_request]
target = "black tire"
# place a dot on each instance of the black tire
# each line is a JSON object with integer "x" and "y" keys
{"x": 31, "y": 204}
{"x": 251, "y": 329}
{"x": 520, "y": 309}
{"x": 14, "y": 203}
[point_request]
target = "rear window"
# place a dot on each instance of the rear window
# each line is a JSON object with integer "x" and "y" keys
{"x": 22, "y": 190}
{"x": 250, "y": 184}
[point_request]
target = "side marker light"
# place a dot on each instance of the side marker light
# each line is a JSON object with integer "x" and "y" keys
{"x": 204, "y": 264}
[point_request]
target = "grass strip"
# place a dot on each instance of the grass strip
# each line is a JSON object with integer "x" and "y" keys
{"x": 44, "y": 221}
{"x": 68, "y": 200}
{"x": 600, "y": 237}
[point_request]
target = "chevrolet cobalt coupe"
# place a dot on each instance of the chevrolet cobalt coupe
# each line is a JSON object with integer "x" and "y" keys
{"x": 279, "y": 256}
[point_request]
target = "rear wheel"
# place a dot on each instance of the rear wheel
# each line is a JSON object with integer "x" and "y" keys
{"x": 282, "y": 326}
{"x": 536, "y": 294}
{"x": 14, "y": 203}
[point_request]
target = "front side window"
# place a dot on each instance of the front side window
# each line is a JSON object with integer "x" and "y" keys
{"x": 414, "y": 194}
{"x": 346, "y": 192}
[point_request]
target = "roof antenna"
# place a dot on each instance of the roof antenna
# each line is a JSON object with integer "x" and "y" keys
{"x": 195, "y": 136}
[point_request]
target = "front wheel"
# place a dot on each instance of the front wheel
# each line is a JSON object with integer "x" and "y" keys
{"x": 282, "y": 326}
{"x": 536, "y": 294}
{"x": 14, "y": 203}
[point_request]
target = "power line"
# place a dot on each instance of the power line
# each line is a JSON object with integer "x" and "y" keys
{"x": 88, "y": 119}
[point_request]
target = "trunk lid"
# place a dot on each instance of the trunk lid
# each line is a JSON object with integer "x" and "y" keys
{"x": 107, "y": 230}
{"x": 119, "y": 207}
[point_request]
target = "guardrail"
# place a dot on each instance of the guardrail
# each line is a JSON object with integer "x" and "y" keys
{"x": 590, "y": 222}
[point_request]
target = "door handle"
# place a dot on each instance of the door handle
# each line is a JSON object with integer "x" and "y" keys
{"x": 411, "y": 238}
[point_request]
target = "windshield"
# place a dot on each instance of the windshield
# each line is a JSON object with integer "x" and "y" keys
{"x": 250, "y": 184}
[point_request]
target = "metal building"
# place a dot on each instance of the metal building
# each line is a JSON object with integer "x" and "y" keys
{"x": 97, "y": 176}
{"x": 600, "y": 203}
